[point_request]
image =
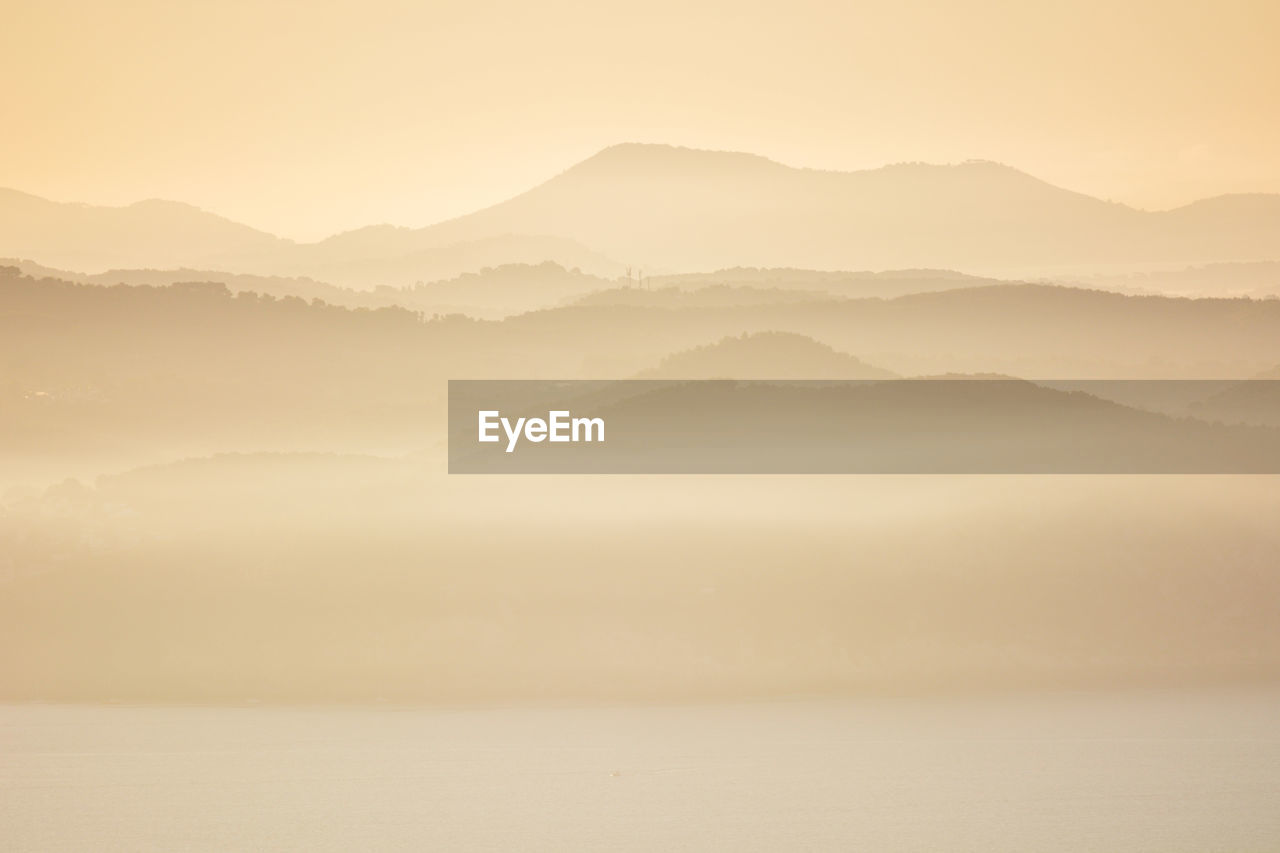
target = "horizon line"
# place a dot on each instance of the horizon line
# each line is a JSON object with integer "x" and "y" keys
{"x": 671, "y": 147}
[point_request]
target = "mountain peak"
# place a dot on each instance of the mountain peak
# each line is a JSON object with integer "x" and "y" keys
{"x": 764, "y": 355}
{"x": 636, "y": 157}
{"x": 164, "y": 205}
{"x": 641, "y": 159}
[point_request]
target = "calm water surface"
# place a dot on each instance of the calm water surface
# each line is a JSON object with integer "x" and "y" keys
{"x": 1064, "y": 772}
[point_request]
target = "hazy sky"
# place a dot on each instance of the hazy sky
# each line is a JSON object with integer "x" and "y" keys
{"x": 305, "y": 118}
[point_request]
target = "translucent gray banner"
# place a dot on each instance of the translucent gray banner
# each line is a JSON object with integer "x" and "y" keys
{"x": 898, "y": 426}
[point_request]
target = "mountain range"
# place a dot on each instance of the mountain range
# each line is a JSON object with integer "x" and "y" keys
{"x": 666, "y": 209}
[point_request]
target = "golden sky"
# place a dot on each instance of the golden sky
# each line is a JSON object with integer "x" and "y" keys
{"x": 308, "y": 117}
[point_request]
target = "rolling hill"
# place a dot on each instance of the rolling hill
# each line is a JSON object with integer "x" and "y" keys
{"x": 150, "y": 233}
{"x": 764, "y": 355}
{"x": 681, "y": 209}
{"x": 157, "y": 234}
{"x": 668, "y": 209}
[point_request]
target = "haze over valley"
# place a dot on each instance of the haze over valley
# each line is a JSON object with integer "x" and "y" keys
{"x": 931, "y": 356}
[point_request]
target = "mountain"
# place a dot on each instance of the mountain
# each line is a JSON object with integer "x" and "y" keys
{"x": 668, "y": 209}
{"x": 166, "y": 234}
{"x": 278, "y": 286}
{"x": 764, "y": 355}
{"x": 1252, "y": 401}
{"x": 495, "y": 292}
{"x": 148, "y": 233}
{"x": 492, "y": 292}
{"x": 1028, "y": 330}
{"x": 98, "y": 377}
{"x": 679, "y": 209}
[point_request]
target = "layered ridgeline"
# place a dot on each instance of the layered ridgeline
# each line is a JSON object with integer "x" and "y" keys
{"x": 496, "y": 292}
{"x": 490, "y": 292}
{"x": 679, "y": 210}
{"x": 141, "y": 373}
{"x": 165, "y": 234}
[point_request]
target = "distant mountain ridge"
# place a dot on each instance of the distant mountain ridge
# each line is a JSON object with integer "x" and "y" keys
{"x": 157, "y": 234}
{"x": 669, "y": 209}
{"x": 764, "y": 355}
{"x": 687, "y": 210}
{"x": 88, "y": 238}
